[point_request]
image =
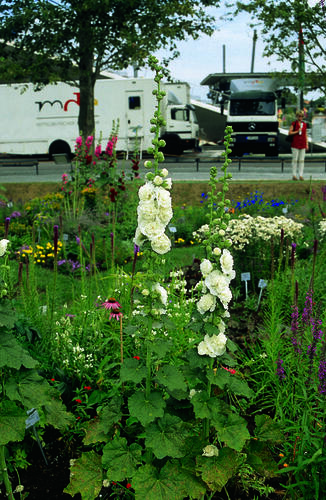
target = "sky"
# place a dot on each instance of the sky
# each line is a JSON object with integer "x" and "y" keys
{"x": 199, "y": 58}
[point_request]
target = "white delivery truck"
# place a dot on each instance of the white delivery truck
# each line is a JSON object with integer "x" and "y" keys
{"x": 252, "y": 114}
{"x": 46, "y": 121}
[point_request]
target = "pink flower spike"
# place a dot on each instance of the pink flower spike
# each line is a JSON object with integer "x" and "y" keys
{"x": 111, "y": 303}
{"x": 79, "y": 141}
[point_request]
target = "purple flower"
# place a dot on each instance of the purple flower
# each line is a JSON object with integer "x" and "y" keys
{"x": 322, "y": 377}
{"x": 324, "y": 192}
{"x": 15, "y": 214}
{"x": 307, "y": 311}
{"x": 280, "y": 370}
{"x": 55, "y": 239}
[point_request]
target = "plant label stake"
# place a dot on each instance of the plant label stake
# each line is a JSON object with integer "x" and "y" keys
{"x": 31, "y": 420}
{"x": 65, "y": 237}
{"x": 262, "y": 284}
{"x": 245, "y": 277}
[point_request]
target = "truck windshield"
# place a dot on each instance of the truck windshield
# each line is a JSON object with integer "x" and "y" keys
{"x": 243, "y": 107}
{"x": 180, "y": 114}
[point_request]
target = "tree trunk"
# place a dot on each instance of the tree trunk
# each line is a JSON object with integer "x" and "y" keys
{"x": 86, "y": 121}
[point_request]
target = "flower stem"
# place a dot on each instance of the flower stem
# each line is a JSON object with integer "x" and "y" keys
{"x": 149, "y": 370}
{"x": 4, "y": 471}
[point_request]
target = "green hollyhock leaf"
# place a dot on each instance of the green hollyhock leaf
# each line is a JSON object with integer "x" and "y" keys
{"x": 160, "y": 347}
{"x": 7, "y": 314}
{"x": 261, "y": 460}
{"x": 57, "y": 415}
{"x": 12, "y": 354}
{"x": 31, "y": 389}
{"x": 167, "y": 437}
{"x": 146, "y": 409}
{"x": 171, "y": 482}
{"x": 132, "y": 369}
{"x": 206, "y": 407}
{"x": 86, "y": 476}
{"x": 121, "y": 460}
{"x": 170, "y": 377}
{"x": 97, "y": 430}
{"x": 224, "y": 379}
{"x": 268, "y": 430}
{"x": 232, "y": 429}
{"x": 12, "y": 422}
{"x": 216, "y": 471}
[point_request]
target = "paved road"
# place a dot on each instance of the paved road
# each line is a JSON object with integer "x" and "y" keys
{"x": 190, "y": 167}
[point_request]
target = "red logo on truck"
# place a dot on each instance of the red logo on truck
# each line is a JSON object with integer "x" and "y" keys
{"x": 56, "y": 101}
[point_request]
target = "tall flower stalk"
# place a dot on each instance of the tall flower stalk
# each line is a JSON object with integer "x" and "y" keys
{"x": 154, "y": 213}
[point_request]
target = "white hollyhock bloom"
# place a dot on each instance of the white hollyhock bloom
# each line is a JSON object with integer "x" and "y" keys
{"x": 206, "y": 303}
{"x": 210, "y": 451}
{"x": 213, "y": 346}
{"x": 162, "y": 293}
{"x": 157, "y": 180}
{"x": 151, "y": 229}
{"x": 216, "y": 282}
{"x": 165, "y": 215}
{"x": 168, "y": 182}
{"x": 163, "y": 197}
{"x": 147, "y": 210}
{"x": 161, "y": 244}
{"x": 225, "y": 296}
{"x": 221, "y": 326}
{"x": 3, "y": 247}
{"x": 226, "y": 261}
{"x": 164, "y": 172}
{"x": 146, "y": 192}
{"x": 206, "y": 267}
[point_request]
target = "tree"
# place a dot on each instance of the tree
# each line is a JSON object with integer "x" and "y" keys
{"x": 294, "y": 31}
{"x": 78, "y": 39}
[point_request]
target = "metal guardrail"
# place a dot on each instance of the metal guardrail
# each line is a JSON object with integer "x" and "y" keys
{"x": 246, "y": 159}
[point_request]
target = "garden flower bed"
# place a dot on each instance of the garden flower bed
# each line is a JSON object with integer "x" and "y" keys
{"x": 151, "y": 350}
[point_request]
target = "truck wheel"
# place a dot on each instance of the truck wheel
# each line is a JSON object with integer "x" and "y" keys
{"x": 59, "y": 147}
{"x": 173, "y": 145}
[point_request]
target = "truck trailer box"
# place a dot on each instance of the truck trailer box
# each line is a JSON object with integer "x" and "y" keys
{"x": 46, "y": 121}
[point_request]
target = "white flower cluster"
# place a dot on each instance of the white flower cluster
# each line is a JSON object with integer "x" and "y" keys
{"x": 322, "y": 228}
{"x": 3, "y": 247}
{"x": 213, "y": 346}
{"x": 248, "y": 230}
{"x": 215, "y": 285}
{"x": 216, "y": 282}
{"x": 154, "y": 213}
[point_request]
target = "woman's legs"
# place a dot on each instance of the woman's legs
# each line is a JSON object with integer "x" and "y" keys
{"x": 295, "y": 153}
{"x": 301, "y": 157}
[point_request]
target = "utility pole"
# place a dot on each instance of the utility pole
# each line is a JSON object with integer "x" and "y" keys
{"x": 254, "y": 40}
{"x": 301, "y": 68}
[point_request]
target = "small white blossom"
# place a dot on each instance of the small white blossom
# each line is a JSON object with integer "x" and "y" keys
{"x": 210, "y": 451}
{"x": 3, "y": 247}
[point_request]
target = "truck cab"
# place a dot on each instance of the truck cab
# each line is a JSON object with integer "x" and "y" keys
{"x": 252, "y": 114}
{"x": 181, "y": 131}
